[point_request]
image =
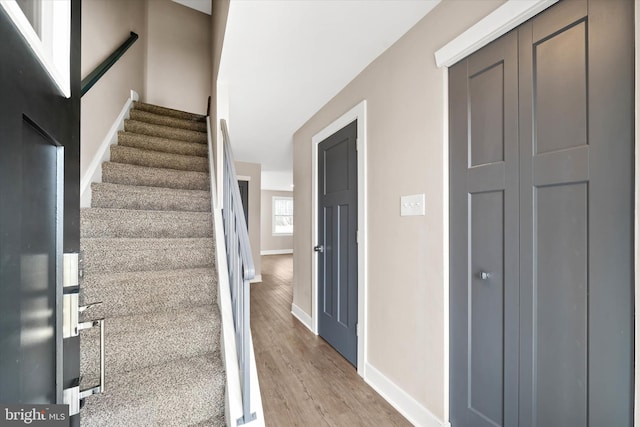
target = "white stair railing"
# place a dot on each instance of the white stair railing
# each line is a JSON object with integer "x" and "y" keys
{"x": 235, "y": 268}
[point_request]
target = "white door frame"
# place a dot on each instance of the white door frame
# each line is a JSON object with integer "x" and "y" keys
{"x": 359, "y": 113}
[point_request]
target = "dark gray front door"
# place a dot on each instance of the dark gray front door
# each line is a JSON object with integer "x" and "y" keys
{"x": 337, "y": 246}
{"x": 545, "y": 337}
{"x": 39, "y": 181}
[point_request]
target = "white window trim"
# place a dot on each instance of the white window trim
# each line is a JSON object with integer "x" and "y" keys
{"x": 273, "y": 215}
{"x": 54, "y": 51}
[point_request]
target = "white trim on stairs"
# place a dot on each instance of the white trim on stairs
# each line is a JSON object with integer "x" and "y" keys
{"x": 415, "y": 412}
{"x": 499, "y": 22}
{"x": 276, "y": 252}
{"x": 302, "y": 316}
{"x": 94, "y": 172}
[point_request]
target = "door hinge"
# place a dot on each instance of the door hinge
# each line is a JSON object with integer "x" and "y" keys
{"x": 357, "y": 329}
{"x": 357, "y": 144}
{"x": 357, "y": 237}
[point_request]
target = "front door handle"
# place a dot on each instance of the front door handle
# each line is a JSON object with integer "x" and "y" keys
{"x": 318, "y": 248}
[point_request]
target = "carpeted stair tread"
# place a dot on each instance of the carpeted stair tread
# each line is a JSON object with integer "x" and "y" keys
{"x": 161, "y": 119}
{"x": 146, "y": 142}
{"x": 105, "y": 222}
{"x": 140, "y": 292}
{"x": 142, "y": 340}
{"x": 127, "y": 254}
{"x": 126, "y": 174}
{"x": 178, "y": 393}
{"x": 157, "y": 159}
{"x": 118, "y": 196}
{"x": 165, "y": 131}
{"x": 164, "y": 111}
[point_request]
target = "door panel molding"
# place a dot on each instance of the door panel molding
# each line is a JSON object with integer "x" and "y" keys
{"x": 359, "y": 113}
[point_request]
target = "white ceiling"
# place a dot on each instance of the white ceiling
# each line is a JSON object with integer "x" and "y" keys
{"x": 203, "y": 6}
{"x": 284, "y": 59}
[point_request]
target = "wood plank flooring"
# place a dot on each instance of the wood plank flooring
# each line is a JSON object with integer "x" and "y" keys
{"x": 304, "y": 381}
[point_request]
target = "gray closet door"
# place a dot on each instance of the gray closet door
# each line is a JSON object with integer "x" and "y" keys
{"x": 576, "y": 111}
{"x": 541, "y": 291}
{"x": 484, "y": 236}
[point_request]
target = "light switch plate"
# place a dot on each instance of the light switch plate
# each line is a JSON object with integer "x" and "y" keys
{"x": 412, "y": 205}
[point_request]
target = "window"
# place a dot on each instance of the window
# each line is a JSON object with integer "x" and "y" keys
{"x": 282, "y": 216}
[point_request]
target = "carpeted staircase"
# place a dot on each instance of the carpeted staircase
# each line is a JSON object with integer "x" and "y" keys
{"x": 148, "y": 252}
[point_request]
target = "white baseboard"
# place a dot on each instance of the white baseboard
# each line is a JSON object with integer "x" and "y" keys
{"x": 94, "y": 172}
{"x": 303, "y": 317}
{"x": 257, "y": 279}
{"x": 276, "y": 252}
{"x": 413, "y": 411}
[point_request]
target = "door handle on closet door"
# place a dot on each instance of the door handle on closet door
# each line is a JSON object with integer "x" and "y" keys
{"x": 483, "y": 275}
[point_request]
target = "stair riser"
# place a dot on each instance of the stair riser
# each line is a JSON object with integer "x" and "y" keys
{"x": 137, "y": 349}
{"x": 148, "y": 201}
{"x": 145, "y": 116}
{"x": 128, "y": 223}
{"x": 119, "y": 173}
{"x": 134, "y": 295}
{"x": 154, "y": 159}
{"x": 169, "y": 112}
{"x": 146, "y": 142}
{"x": 111, "y": 227}
{"x": 165, "y": 132}
{"x": 113, "y": 260}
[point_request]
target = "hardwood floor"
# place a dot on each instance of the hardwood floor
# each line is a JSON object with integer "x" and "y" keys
{"x": 304, "y": 381}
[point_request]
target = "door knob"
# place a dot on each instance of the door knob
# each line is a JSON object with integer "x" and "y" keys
{"x": 484, "y": 275}
{"x": 318, "y": 248}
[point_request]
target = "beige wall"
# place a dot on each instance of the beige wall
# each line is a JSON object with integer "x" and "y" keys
{"x": 253, "y": 171}
{"x": 105, "y": 25}
{"x": 220, "y": 12}
{"x": 270, "y": 242}
{"x": 179, "y": 56}
{"x": 407, "y": 285}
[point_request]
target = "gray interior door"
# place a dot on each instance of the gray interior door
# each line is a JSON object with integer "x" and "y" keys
{"x": 337, "y": 246}
{"x": 39, "y": 181}
{"x": 243, "y": 186}
{"x": 484, "y": 209}
{"x": 562, "y": 300}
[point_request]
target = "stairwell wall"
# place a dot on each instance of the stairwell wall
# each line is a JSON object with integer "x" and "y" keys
{"x": 179, "y": 56}
{"x": 105, "y": 25}
{"x": 406, "y": 154}
{"x": 170, "y": 64}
